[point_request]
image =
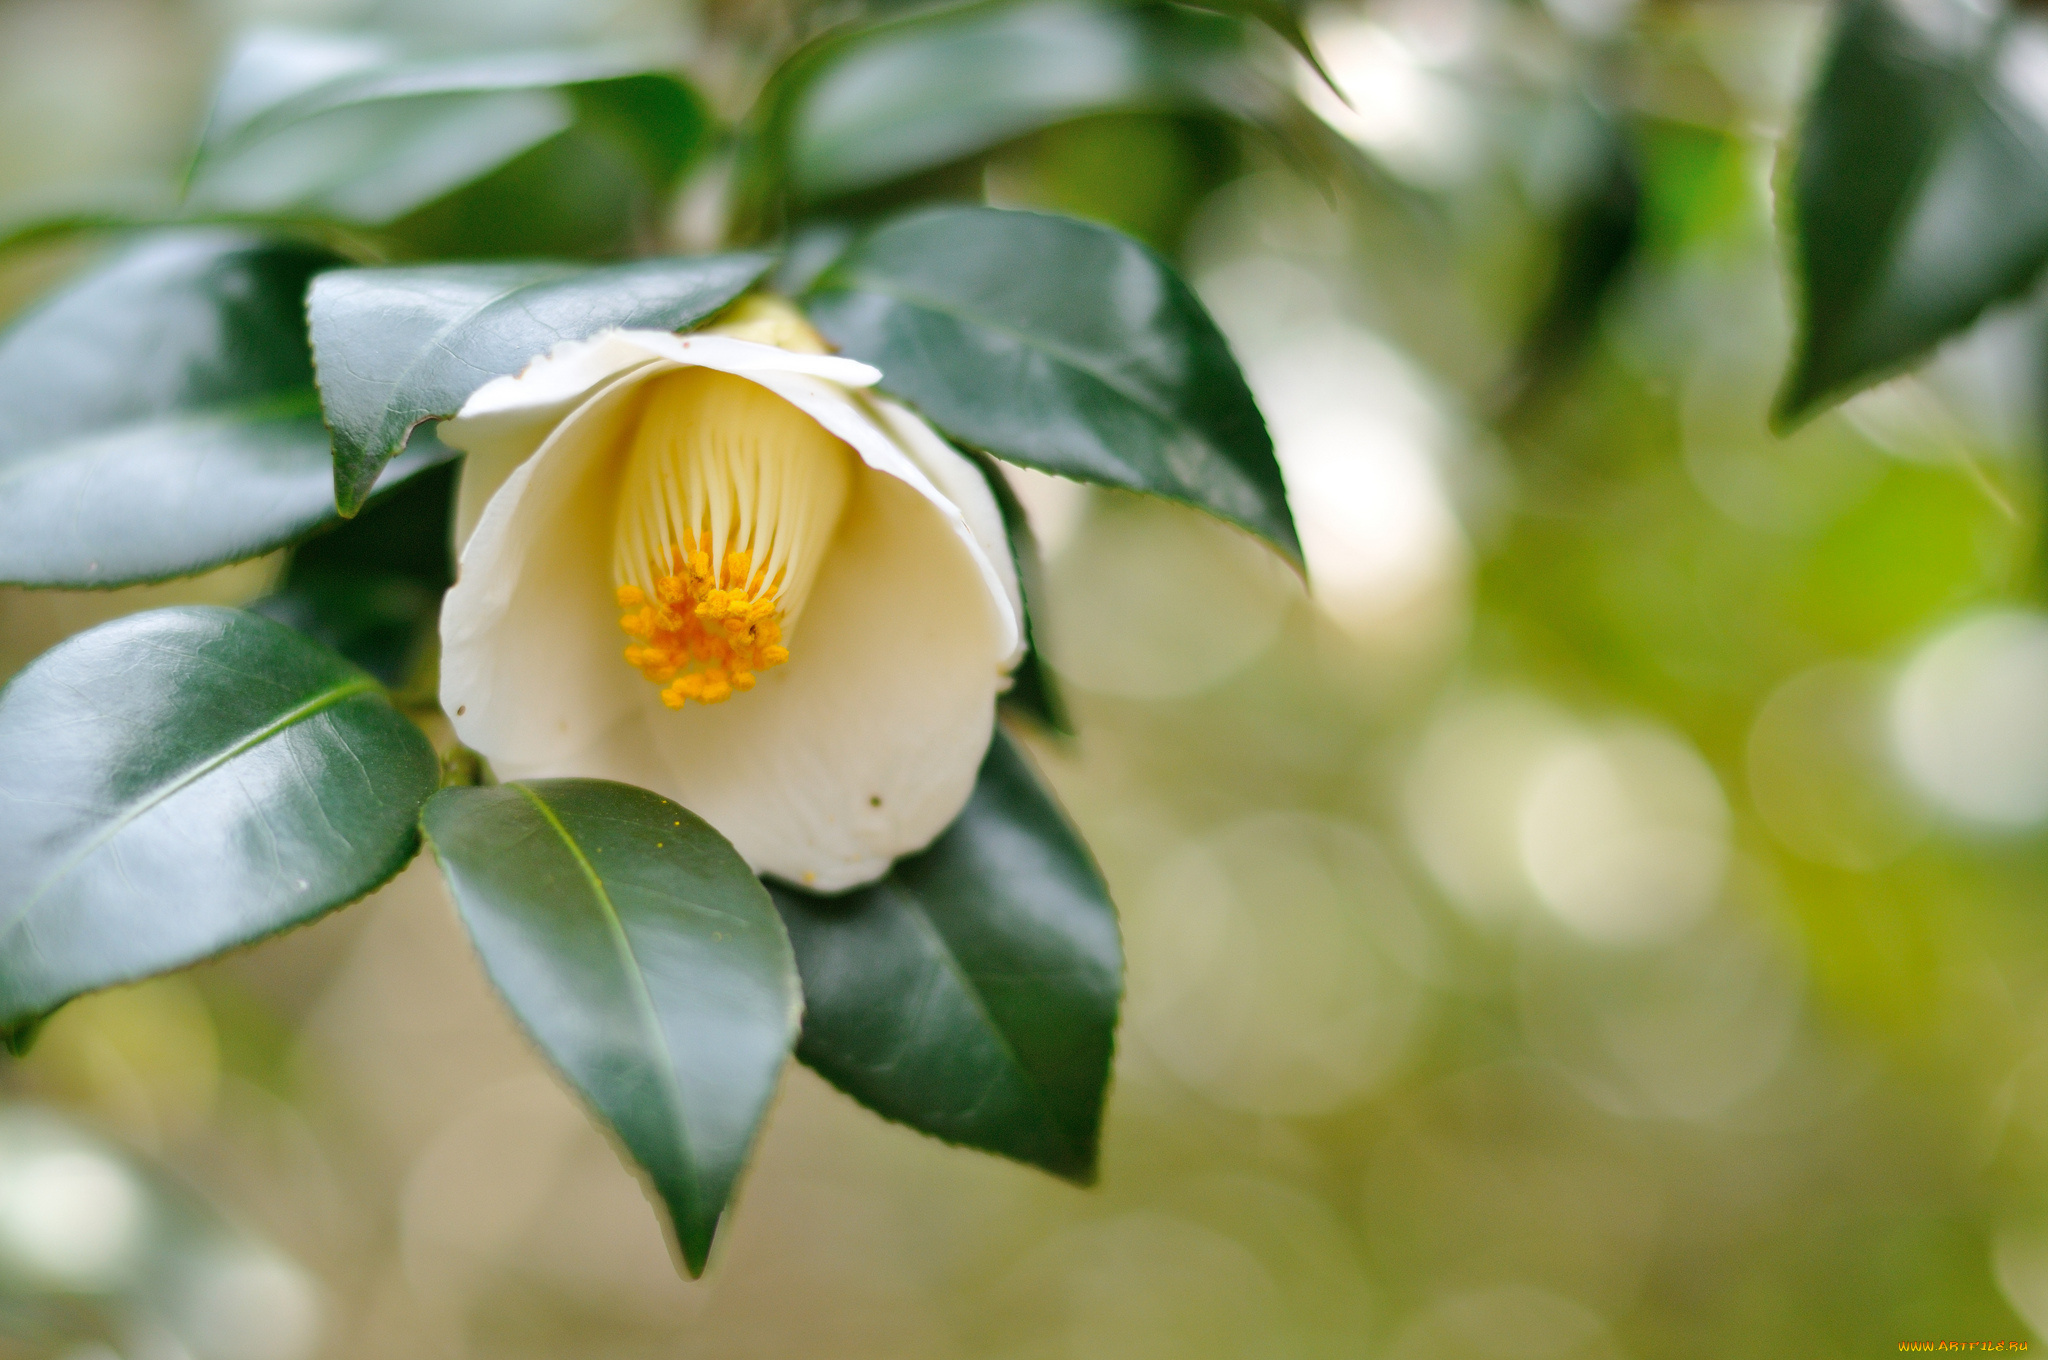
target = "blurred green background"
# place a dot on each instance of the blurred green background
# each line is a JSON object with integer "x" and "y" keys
{"x": 1602, "y": 919}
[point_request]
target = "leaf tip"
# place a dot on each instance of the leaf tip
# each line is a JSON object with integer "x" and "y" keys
{"x": 22, "y": 1036}
{"x": 1797, "y": 402}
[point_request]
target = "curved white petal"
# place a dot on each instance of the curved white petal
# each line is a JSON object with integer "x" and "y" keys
{"x": 963, "y": 484}
{"x": 861, "y": 748}
{"x": 846, "y": 415}
{"x": 748, "y": 357}
{"x": 505, "y": 420}
{"x": 865, "y": 744}
{"x": 556, "y": 378}
{"x": 531, "y": 673}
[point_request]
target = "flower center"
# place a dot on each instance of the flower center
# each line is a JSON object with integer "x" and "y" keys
{"x": 729, "y": 500}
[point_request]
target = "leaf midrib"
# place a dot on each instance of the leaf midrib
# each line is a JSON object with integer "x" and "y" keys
{"x": 1046, "y": 1105}
{"x": 318, "y": 704}
{"x": 643, "y": 999}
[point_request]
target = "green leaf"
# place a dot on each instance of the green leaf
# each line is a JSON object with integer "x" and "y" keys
{"x": 1599, "y": 234}
{"x": 350, "y": 128}
{"x": 644, "y": 958}
{"x": 1285, "y": 24}
{"x": 909, "y": 96}
{"x": 184, "y": 781}
{"x": 396, "y": 347}
{"x": 1920, "y": 191}
{"x": 1033, "y": 690}
{"x": 158, "y": 417}
{"x": 1063, "y": 346}
{"x": 371, "y": 586}
{"x": 972, "y": 993}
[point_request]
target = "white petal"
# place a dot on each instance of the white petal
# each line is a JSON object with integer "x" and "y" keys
{"x": 963, "y": 484}
{"x": 749, "y": 357}
{"x": 531, "y": 673}
{"x": 505, "y": 420}
{"x": 847, "y": 416}
{"x": 860, "y": 749}
{"x": 865, "y": 744}
{"x": 556, "y": 378}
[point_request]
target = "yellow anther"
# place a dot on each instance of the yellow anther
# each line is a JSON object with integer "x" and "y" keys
{"x": 727, "y": 505}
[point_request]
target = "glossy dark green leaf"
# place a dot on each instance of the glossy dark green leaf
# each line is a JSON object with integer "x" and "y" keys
{"x": 1919, "y": 195}
{"x": 158, "y": 417}
{"x": 352, "y": 128}
{"x": 1059, "y": 345}
{"x": 973, "y": 992}
{"x": 1033, "y": 690}
{"x": 370, "y": 587}
{"x": 395, "y": 347}
{"x": 183, "y": 781}
{"x": 909, "y": 96}
{"x": 646, "y": 961}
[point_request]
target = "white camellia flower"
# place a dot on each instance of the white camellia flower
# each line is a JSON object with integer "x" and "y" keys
{"x": 714, "y": 566}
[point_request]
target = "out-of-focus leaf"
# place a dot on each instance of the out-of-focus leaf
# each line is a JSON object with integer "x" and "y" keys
{"x": 125, "y": 1252}
{"x": 1284, "y": 23}
{"x": 158, "y": 417}
{"x": 1598, "y": 236}
{"x": 912, "y": 96}
{"x": 1063, "y": 346}
{"x": 1919, "y": 195}
{"x": 349, "y": 127}
{"x": 371, "y": 587}
{"x": 646, "y": 961}
{"x": 183, "y": 781}
{"x": 396, "y": 347}
{"x": 972, "y": 993}
{"x": 1032, "y": 690}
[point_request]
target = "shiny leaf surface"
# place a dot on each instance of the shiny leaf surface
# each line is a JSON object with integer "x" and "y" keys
{"x": 158, "y": 417}
{"x": 352, "y": 128}
{"x": 183, "y": 781}
{"x": 395, "y": 347}
{"x": 643, "y": 957}
{"x": 1919, "y": 195}
{"x": 972, "y": 993}
{"x": 1059, "y": 345}
{"x": 370, "y": 587}
{"x": 913, "y": 95}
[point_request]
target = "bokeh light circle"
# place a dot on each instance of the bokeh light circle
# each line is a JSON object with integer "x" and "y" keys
{"x": 1969, "y": 719}
{"x": 1625, "y": 835}
{"x": 1819, "y": 772}
{"x": 1276, "y": 966}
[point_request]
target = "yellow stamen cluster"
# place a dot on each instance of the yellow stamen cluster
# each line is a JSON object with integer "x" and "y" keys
{"x": 728, "y": 500}
{"x": 704, "y": 634}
